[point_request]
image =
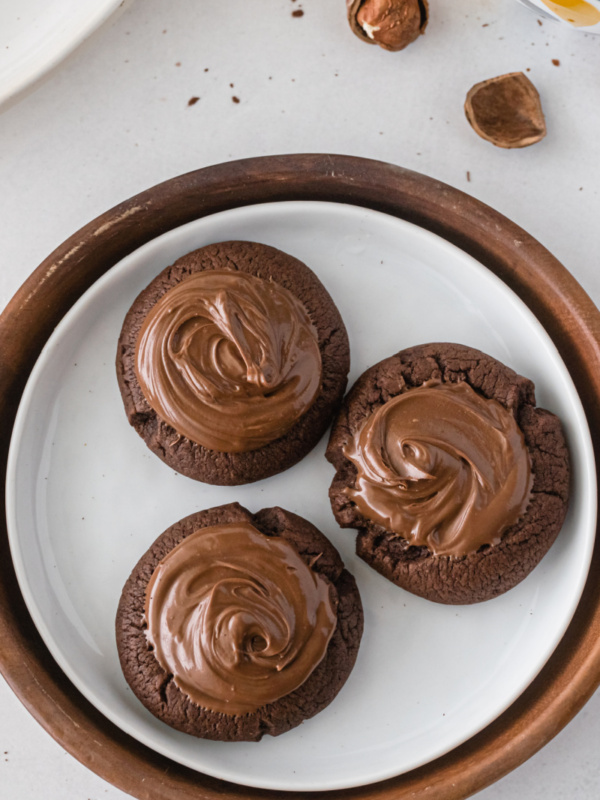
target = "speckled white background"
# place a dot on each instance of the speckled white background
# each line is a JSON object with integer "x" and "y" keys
{"x": 114, "y": 120}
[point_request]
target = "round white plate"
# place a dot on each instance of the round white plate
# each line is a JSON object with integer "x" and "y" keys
{"x": 35, "y": 35}
{"x": 85, "y": 499}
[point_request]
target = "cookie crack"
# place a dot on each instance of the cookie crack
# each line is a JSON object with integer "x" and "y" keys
{"x": 162, "y": 689}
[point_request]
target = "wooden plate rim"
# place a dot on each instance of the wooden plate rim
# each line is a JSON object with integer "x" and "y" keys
{"x": 573, "y": 672}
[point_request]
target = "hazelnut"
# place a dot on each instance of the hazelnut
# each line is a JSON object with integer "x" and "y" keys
{"x": 392, "y": 24}
{"x": 506, "y": 111}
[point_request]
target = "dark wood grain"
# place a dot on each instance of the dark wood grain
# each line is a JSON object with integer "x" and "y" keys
{"x": 570, "y": 317}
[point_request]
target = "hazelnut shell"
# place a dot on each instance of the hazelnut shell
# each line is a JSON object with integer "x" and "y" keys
{"x": 396, "y": 23}
{"x": 506, "y": 111}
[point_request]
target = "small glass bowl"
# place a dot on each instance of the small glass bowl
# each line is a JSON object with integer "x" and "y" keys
{"x": 582, "y": 15}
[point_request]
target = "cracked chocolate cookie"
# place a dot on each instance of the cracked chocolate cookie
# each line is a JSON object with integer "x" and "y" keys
{"x": 457, "y": 483}
{"x": 232, "y": 362}
{"x": 234, "y": 625}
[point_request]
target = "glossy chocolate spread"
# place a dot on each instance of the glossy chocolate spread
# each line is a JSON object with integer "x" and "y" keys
{"x": 229, "y": 360}
{"x": 237, "y": 617}
{"x": 442, "y": 467}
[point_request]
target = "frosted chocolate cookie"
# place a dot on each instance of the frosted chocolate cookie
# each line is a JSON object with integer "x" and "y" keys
{"x": 232, "y": 362}
{"x": 234, "y": 625}
{"x": 456, "y": 482}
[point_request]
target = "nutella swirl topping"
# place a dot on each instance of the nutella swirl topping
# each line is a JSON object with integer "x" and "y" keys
{"x": 237, "y": 617}
{"x": 229, "y": 360}
{"x": 442, "y": 467}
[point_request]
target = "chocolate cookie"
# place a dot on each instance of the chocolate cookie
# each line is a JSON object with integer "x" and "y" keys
{"x": 456, "y": 482}
{"x": 233, "y": 625}
{"x": 232, "y": 362}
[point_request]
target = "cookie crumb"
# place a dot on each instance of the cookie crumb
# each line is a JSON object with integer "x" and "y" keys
{"x": 468, "y": 176}
{"x": 192, "y": 101}
{"x": 556, "y": 62}
{"x": 235, "y": 99}
{"x": 298, "y": 13}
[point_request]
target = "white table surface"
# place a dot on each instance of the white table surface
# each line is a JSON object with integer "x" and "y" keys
{"x": 114, "y": 120}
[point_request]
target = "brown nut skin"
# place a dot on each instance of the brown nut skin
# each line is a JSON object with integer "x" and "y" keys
{"x": 393, "y": 24}
{"x": 506, "y": 111}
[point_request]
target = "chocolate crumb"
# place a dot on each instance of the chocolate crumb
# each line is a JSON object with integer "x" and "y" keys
{"x": 556, "y": 62}
{"x": 540, "y": 22}
{"x": 235, "y": 99}
{"x": 298, "y": 13}
{"x": 231, "y": 85}
{"x": 205, "y": 69}
{"x": 192, "y": 101}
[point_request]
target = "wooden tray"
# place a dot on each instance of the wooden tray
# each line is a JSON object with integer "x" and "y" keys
{"x": 569, "y": 316}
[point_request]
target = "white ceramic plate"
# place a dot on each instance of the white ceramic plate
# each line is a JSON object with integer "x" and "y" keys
{"x": 35, "y": 35}
{"x": 85, "y": 498}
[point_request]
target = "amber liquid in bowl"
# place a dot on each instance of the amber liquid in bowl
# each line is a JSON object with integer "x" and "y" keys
{"x": 577, "y": 13}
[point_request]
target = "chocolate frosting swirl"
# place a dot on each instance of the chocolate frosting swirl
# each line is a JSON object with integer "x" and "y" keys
{"x": 229, "y": 360}
{"x": 237, "y": 617}
{"x": 442, "y": 467}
